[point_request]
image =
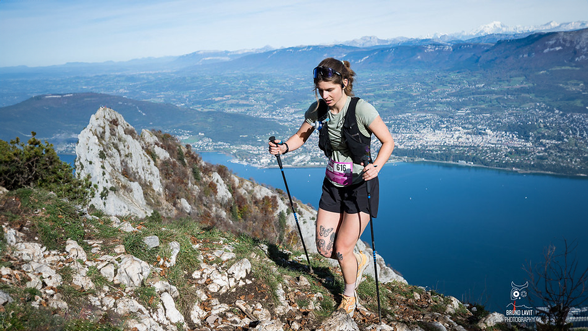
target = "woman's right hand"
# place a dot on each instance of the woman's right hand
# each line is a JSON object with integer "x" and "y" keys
{"x": 274, "y": 148}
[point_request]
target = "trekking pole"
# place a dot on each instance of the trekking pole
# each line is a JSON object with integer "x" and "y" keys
{"x": 366, "y": 161}
{"x": 272, "y": 138}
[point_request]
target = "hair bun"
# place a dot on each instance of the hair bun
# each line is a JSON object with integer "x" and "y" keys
{"x": 347, "y": 64}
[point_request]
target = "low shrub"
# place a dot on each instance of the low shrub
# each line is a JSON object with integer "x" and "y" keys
{"x": 37, "y": 164}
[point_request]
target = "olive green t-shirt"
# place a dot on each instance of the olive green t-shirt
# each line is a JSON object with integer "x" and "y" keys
{"x": 341, "y": 170}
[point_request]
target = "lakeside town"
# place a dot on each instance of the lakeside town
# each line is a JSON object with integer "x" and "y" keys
{"x": 536, "y": 139}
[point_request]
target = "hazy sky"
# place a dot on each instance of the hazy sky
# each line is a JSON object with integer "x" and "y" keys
{"x": 48, "y": 32}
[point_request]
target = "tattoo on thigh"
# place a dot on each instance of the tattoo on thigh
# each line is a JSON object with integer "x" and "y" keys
{"x": 320, "y": 245}
{"x": 339, "y": 256}
{"x": 324, "y": 232}
{"x": 331, "y": 242}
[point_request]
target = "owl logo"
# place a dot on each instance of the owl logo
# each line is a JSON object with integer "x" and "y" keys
{"x": 518, "y": 291}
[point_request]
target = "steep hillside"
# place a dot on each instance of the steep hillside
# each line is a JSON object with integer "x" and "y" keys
{"x": 171, "y": 242}
{"x": 98, "y": 272}
{"x": 540, "y": 51}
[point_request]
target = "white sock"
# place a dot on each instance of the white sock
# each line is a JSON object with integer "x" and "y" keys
{"x": 349, "y": 290}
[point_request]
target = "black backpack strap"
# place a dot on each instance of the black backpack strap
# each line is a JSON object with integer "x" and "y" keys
{"x": 357, "y": 143}
{"x": 323, "y": 110}
{"x": 350, "y": 120}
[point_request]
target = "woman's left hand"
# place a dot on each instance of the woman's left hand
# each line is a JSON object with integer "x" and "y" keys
{"x": 370, "y": 171}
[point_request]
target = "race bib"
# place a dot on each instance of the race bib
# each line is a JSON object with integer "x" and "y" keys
{"x": 340, "y": 172}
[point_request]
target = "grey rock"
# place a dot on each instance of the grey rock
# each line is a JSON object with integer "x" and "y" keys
{"x": 126, "y": 305}
{"x": 49, "y": 276}
{"x": 5, "y": 298}
{"x": 120, "y": 249}
{"x": 132, "y": 271}
{"x": 108, "y": 302}
{"x": 213, "y": 288}
{"x": 172, "y": 314}
{"x": 302, "y": 281}
{"x": 491, "y": 320}
{"x": 275, "y": 325}
{"x": 151, "y": 241}
{"x": 83, "y": 282}
{"x": 99, "y": 136}
{"x": 108, "y": 272}
{"x": 163, "y": 286}
{"x": 11, "y": 236}
{"x": 197, "y": 314}
{"x": 453, "y": 306}
{"x": 384, "y": 327}
{"x": 339, "y": 321}
{"x": 186, "y": 206}
{"x": 35, "y": 282}
{"x": 57, "y": 303}
{"x": 219, "y": 309}
{"x": 175, "y": 249}
{"x": 260, "y": 313}
{"x": 29, "y": 251}
{"x": 211, "y": 319}
{"x": 127, "y": 227}
{"x": 74, "y": 250}
{"x": 240, "y": 269}
{"x": 437, "y": 326}
{"x": 145, "y": 323}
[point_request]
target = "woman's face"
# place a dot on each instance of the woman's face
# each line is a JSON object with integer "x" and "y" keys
{"x": 332, "y": 93}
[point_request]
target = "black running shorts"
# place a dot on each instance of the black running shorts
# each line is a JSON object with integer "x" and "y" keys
{"x": 350, "y": 199}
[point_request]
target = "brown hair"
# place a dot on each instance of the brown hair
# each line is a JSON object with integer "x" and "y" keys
{"x": 342, "y": 67}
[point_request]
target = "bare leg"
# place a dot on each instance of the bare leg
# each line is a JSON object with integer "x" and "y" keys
{"x": 327, "y": 225}
{"x": 336, "y": 236}
{"x": 350, "y": 229}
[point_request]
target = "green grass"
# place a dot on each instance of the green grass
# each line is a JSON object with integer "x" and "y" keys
{"x": 55, "y": 220}
{"x": 26, "y": 317}
{"x": 135, "y": 246}
{"x": 147, "y": 296}
{"x": 96, "y": 277}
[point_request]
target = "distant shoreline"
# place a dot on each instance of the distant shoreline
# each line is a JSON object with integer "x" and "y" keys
{"x": 420, "y": 160}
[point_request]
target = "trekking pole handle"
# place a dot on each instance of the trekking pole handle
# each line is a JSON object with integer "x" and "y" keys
{"x": 273, "y": 139}
{"x": 366, "y": 161}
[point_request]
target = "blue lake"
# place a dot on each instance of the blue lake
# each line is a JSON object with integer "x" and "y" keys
{"x": 463, "y": 231}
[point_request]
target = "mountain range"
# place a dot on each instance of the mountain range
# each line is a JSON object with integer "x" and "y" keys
{"x": 494, "y": 31}
{"x": 490, "y": 33}
{"x": 538, "y": 50}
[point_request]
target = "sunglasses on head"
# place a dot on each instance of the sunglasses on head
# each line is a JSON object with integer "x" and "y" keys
{"x": 325, "y": 72}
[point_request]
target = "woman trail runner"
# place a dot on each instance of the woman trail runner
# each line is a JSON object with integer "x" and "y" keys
{"x": 344, "y": 205}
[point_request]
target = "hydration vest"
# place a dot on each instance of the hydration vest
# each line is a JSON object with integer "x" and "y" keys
{"x": 357, "y": 144}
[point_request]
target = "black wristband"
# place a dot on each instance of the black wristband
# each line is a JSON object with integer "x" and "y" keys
{"x": 287, "y": 149}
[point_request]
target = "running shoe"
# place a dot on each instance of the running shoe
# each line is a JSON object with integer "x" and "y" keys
{"x": 348, "y": 304}
{"x": 362, "y": 263}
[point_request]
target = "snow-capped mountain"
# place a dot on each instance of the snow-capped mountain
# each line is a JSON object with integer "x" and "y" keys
{"x": 500, "y": 28}
{"x": 502, "y": 31}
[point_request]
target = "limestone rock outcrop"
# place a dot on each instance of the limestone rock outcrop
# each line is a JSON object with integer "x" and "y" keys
{"x": 126, "y": 177}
